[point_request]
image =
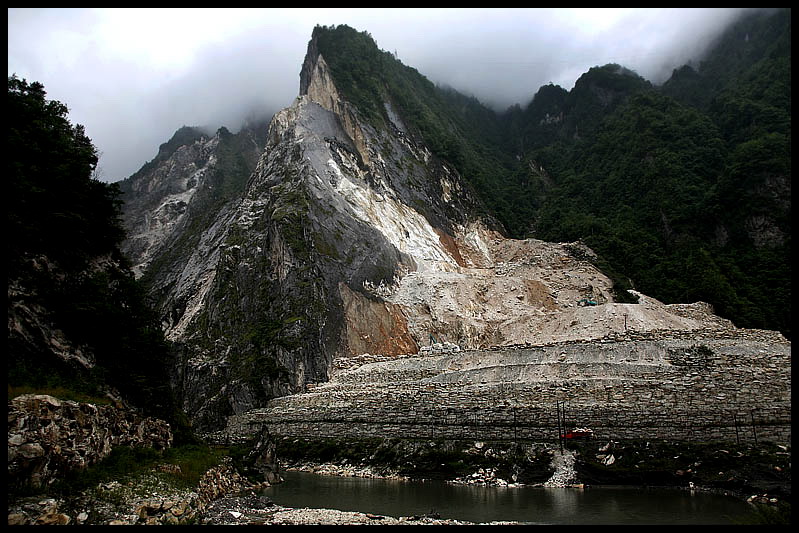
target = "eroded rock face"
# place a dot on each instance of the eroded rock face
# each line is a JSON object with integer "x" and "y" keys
{"x": 352, "y": 239}
{"x": 168, "y": 191}
{"x": 30, "y": 329}
{"x": 297, "y": 270}
{"x": 374, "y": 326}
{"x": 48, "y": 437}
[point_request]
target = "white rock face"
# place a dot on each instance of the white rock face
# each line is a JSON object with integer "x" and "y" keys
{"x": 468, "y": 286}
{"x": 402, "y": 226}
{"x": 172, "y": 186}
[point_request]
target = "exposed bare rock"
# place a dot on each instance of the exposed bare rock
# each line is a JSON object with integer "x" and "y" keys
{"x": 273, "y": 285}
{"x": 221, "y": 480}
{"x": 30, "y": 326}
{"x": 169, "y": 190}
{"x": 375, "y": 326}
{"x": 352, "y": 244}
{"x": 144, "y": 499}
{"x": 48, "y": 437}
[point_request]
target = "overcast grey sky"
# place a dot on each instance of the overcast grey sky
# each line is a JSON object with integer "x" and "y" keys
{"x": 134, "y": 76}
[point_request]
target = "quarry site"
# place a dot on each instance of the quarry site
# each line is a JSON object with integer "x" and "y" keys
{"x": 530, "y": 328}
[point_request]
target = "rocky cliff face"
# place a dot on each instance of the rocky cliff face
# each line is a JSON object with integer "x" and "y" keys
{"x": 335, "y": 213}
{"x": 158, "y": 202}
{"x": 38, "y": 346}
{"x": 30, "y": 329}
{"x": 174, "y": 197}
{"x": 297, "y": 269}
{"x": 349, "y": 239}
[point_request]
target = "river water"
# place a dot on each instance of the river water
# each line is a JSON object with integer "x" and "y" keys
{"x": 534, "y": 505}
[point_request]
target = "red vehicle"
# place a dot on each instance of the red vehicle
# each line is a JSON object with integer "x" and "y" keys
{"x": 578, "y": 433}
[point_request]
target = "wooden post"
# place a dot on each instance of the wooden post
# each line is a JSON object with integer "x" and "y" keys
{"x": 754, "y": 432}
{"x": 735, "y": 421}
{"x": 515, "y": 433}
{"x": 560, "y": 439}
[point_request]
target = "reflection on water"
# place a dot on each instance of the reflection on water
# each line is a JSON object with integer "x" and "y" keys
{"x": 595, "y": 505}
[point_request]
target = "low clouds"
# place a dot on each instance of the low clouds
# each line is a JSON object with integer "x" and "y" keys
{"x": 133, "y": 77}
{"x": 503, "y": 58}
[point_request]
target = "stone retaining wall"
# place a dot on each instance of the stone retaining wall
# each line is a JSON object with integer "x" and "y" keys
{"x": 677, "y": 387}
{"x": 514, "y": 425}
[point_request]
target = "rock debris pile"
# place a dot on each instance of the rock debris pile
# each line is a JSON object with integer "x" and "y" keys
{"x": 145, "y": 500}
{"x": 48, "y": 437}
{"x": 440, "y": 348}
{"x": 564, "y": 475}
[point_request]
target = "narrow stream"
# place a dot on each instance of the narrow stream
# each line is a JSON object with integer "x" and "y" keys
{"x": 534, "y": 505}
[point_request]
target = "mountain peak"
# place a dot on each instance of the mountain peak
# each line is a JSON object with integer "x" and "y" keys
{"x": 355, "y": 63}
{"x": 611, "y": 77}
{"x": 309, "y": 64}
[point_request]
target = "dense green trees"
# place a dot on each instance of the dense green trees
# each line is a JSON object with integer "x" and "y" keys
{"x": 64, "y": 234}
{"x": 53, "y": 205}
{"x": 690, "y": 199}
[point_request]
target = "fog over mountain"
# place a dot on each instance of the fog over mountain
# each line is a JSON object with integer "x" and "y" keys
{"x": 133, "y": 76}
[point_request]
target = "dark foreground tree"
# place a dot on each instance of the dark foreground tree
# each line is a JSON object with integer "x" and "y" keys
{"x": 64, "y": 262}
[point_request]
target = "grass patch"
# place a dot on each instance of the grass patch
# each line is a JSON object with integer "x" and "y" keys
{"x": 127, "y": 463}
{"x": 62, "y": 393}
{"x": 194, "y": 460}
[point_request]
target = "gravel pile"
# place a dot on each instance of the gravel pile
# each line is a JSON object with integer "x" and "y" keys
{"x": 564, "y": 475}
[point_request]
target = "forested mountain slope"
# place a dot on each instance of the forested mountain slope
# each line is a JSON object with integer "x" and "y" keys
{"x": 683, "y": 189}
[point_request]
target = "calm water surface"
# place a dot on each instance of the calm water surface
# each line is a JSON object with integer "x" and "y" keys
{"x": 537, "y": 505}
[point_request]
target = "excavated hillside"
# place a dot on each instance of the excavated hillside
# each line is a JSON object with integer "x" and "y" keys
{"x": 508, "y": 331}
{"x": 352, "y": 243}
{"x": 529, "y": 292}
